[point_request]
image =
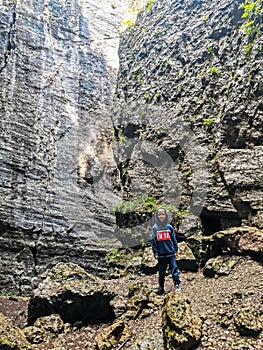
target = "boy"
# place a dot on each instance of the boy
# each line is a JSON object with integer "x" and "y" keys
{"x": 165, "y": 249}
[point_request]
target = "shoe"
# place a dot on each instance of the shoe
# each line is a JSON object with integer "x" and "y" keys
{"x": 177, "y": 288}
{"x": 159, "y": 290}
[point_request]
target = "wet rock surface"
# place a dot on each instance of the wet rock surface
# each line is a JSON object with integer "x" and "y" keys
{"x": 58, "y": 63}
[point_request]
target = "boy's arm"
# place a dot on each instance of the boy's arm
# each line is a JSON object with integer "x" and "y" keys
{"x": 173, "y": 238}
{"x": 154, "y": 243}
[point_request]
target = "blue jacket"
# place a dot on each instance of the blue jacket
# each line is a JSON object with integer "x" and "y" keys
{"x": 164, "y": 243}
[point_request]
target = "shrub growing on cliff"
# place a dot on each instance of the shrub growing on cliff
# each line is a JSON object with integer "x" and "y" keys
{"x": 208, "y": 122}
{"x": 149, "y": 5}
{"x": 252, "y": 13}
{"x": 138, "y": 204}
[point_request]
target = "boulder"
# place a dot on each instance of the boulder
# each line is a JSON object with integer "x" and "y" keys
{"x": 181, "y": 328}
{"x": 249, "y": 322}
{"x": 149, "y": 263}
{"x": 112, "y": 335}
{"x": 44, "y": 327}
{"x": 199, "y": 245}
{"x": 50, "y": 324}
{"x": 76, "y": 296}
{"x": 150, "y": 340}
{"x": 34, "y": 335}
{"x": 221, "y": 265}
{"x": 139, "y": 304}
{"x": 242, "y": 176}
{"x": 240, "y": 240}
{"x": 119, "y": 305}
{"x": 134, "y": 265}
{"x": 12, "y": 337}
{"x": 186, "y": 260}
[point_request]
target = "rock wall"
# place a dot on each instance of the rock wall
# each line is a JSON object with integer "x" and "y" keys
{"x": 190, "y": 107}
{"x": 184, "y": 128}
{"x": 58, "y": 66}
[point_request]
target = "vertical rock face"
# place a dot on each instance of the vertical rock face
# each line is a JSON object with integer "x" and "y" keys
{"x": 187, "y": 122}
{"x": 190, "y": 106}
{"x": 58, "y": 64}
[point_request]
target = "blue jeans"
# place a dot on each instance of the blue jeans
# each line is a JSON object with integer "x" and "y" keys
{"x": 162, "y": 264}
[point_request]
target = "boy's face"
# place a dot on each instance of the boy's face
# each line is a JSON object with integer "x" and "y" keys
{"x": 161, "y": 215}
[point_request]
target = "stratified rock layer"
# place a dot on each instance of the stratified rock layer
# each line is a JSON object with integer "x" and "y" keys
{"x": 186, "y": 120}
{"x": 58, "y": 63}
{"x": 189, "y": 113}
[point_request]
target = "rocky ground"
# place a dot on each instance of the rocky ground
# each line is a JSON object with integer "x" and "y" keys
{"x": 215, "y": 300}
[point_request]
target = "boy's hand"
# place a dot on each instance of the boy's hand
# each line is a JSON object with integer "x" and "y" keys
{"x": 176, "y": 255}
{"x": 156, "y": 256}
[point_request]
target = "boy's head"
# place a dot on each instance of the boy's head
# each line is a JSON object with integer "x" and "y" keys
{"x": 161, "y": 217}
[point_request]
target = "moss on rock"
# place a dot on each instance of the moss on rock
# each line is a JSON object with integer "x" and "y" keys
{"x": 12, "y": 337}
{"x": 181, "y": 329}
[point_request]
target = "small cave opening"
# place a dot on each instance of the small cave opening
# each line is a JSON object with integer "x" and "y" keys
{"x": 73, "y": 308}
{"x": 85, "y": 310}
{"x": 213, "y": 222}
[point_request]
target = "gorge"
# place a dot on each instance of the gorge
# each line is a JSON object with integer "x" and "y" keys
{"x": 111, "y": 109}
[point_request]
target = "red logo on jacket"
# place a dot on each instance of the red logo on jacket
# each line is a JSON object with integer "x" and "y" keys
{"x": 163, "y": 236}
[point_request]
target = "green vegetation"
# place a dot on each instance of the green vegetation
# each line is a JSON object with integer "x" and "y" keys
{"x": 113, "y": 256}
{"x": 228, "y": 85}
{"x": 137, "y": 74}
{"x": 187, "y": 173}
{"x": 208, "y": 121}
{"x": 210, "y": 50}
{"x": 121, "y": 139}
{"x": 214, "y": 70}
{"x": 215, "y": 176}
{"x": 210, "y": 99}
{"x": 147, "y": 97}
{"x": 138, "y": 204}
{"x": 121, "y": 257}
{"x": 149, "y": 5}
{"x": 201, "y": 74}
{"x": 252, "y": 14}
{"x": 8, "y": 294}
{"x": 165, "y": 65}
{"x": 191, "y": 122}
{"x": 128, "y": 24}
